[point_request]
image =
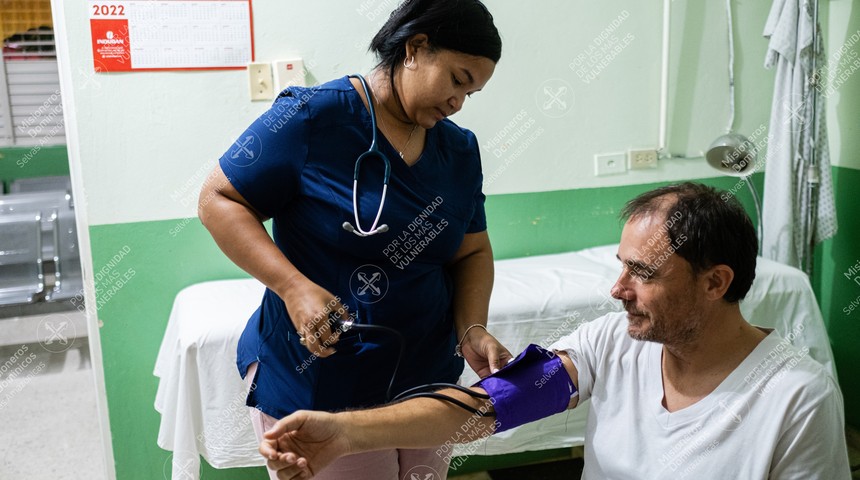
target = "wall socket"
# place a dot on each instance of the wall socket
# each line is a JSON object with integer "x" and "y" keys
{"x": 609, "y": 164}
{"x": 641, "y": 159}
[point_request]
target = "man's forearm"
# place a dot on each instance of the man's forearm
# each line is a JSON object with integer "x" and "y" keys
{"x": 418, "y": 423}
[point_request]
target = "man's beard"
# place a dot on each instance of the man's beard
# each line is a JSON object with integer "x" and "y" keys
{"x": 662, "y": 332}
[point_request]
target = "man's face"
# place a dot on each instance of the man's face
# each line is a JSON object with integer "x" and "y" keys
{"x": 662, "y": 297}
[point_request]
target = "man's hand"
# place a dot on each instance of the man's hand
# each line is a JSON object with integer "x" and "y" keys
{"x": 300, "y": 445}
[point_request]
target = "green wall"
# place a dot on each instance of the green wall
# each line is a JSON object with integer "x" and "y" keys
{"x": 158, "y": 259}
{"x": 837, "y": 286}
{"x": 36, "y": 161}
{"x": 541, "y": 223}
{"x": 157, "y": 266}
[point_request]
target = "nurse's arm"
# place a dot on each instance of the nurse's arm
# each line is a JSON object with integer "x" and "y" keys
{"x": 305, "y": 442}
{"x": 238, "y": 230}
{"x": 472, "y": 271}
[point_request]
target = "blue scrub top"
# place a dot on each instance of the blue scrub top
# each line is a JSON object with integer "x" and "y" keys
{"x": 295, "y": 164}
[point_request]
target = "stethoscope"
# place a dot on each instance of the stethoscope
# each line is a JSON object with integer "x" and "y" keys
{"x": 373, "y": 151}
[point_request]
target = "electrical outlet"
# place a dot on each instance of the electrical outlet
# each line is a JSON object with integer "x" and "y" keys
{"x": 260, "y": 78}
{"x": 641, "y": 159}
{"x": 609, "y": 164}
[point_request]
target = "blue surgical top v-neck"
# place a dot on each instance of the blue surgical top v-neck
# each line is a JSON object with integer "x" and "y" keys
{"x": 295, "y": 164}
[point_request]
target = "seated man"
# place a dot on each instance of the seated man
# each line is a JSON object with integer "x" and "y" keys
{"x": 681, "y": 386}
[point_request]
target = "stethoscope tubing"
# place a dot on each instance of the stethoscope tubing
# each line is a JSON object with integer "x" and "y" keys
{"x": 373, "y": 151}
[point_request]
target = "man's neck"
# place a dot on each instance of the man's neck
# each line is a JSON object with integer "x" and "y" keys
{"x": 724, "y": 342}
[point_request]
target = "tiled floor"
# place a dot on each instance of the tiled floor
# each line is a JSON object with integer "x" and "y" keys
{"x": 48, "y": 400}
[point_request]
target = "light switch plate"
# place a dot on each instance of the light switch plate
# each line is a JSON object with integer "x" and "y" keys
{"x": 289, "y": 73}
{"x": 260, "y": 81}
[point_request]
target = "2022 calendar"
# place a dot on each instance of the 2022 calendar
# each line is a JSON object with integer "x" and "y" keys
{"x": 171, "y": 34}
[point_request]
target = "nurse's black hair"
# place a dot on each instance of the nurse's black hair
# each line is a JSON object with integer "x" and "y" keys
{"x": 464, "y": 26}
{"x": 705, "y": 227}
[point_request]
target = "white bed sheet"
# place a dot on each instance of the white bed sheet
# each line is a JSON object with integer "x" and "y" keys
{"x": 535, "y": 300}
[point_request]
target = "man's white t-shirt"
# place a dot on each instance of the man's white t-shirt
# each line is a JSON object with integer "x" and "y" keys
{"x": 778, "y": 415}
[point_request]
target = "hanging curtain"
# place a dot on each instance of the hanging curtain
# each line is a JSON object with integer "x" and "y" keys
{"x": 795, "y": 215}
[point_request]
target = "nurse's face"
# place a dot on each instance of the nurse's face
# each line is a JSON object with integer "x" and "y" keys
{"x": 438, "y": 82}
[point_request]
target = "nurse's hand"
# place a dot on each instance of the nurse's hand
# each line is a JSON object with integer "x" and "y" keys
{"x": 300, "y": 445}
{"x": 484, "y": 353}
{"x": 312, "y": 308}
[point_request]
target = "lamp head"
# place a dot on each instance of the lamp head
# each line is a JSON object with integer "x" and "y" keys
{"x": 732, "y": 154}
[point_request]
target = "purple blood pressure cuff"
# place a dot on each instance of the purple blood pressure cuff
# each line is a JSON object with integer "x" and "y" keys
{"x": 533, "y": 386}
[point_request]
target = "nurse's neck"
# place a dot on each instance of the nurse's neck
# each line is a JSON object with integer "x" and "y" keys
{"x": 384, "y": 97}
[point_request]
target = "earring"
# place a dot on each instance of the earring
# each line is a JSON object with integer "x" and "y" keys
{"x": 411, "y": 61}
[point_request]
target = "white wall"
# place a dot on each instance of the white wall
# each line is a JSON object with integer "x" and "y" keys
{"x": 148, "y": 139}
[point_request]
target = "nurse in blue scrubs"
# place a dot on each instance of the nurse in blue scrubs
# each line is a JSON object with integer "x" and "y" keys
{"x": 427, "y": 273}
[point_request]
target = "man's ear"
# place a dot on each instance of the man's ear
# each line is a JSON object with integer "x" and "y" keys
{"x": 717, "y": 281}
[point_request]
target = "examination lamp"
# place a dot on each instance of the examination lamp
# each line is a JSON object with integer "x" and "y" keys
{"x": 732, "y": 154}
